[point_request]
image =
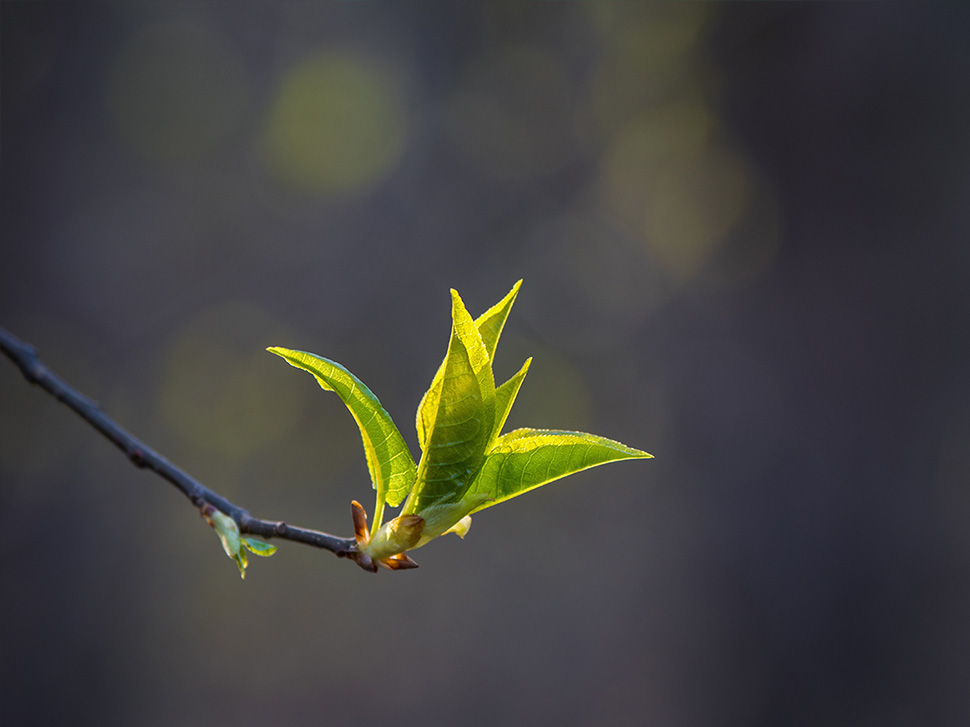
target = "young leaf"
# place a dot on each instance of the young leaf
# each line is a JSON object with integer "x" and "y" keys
{"x": 505, "y": 398}
{"x": 461, "y": 527}
{"x": 491, "y": 322}
{"x": 458, "y": 414}
{"x": 466, "y": 464}
{"x": 258, "y": 547}
{"x": 234, "y": 544}
{"x": 528, "y": 458}
{"x": 227, "y": 530}
{"x": 489, "y": 326}
{"x": 391, "y": 466}
{"x": 444, "y": 516}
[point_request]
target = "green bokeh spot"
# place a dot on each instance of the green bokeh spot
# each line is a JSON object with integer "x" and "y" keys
{"x": 336, "y": 126}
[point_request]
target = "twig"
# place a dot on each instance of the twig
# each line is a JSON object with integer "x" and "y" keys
{"x": 143, "y": 456}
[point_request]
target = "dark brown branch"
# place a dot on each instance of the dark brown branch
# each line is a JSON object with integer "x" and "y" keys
{"x": 141, "y": 455}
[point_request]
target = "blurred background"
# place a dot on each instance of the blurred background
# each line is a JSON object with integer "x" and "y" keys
{"x": 743, "y": 233}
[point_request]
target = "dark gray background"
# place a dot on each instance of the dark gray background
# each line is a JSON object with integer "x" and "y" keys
{"x": 743, "y": 233}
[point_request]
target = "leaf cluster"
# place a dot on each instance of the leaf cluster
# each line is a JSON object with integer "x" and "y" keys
{"x": 466, "y": 463}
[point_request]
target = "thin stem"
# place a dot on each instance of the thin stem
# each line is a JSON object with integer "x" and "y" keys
{"x": 378, "y": 515}
{"x": 141, "y": 455}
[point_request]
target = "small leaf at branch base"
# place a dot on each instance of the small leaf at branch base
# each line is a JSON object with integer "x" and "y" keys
{"x": 258, "y": 547}
{"x": 228, "y": 533}
{"x": 225, "y": 528}
{"x": 242, "y": 562}
{"x": 233, "y": 543}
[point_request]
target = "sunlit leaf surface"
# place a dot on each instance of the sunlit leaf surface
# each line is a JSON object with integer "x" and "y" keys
{"x": 490, "y": 325}
{"x": 458, "y": 414}
{"x": 466, "y": 463}
{"x": 528, "y": 458}
{"x": 392, "y": 468}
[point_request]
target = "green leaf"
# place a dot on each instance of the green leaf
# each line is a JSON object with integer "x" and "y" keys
{"x": 458, "y": 415}
{"x": 444, "y": 516}
{"x": 242, "y": 562}
{"x": 391, "y": 466}
{"x": 491, "y": 322}
{"x": 489, "y": 325}
{"x": 467, "y": 464}
{"x": 228, "y": 533}
{"x": 258, "y": 547}
{"x": 461, "y": 527}
{"x": 226, "y": 529}
{"x": 528, "y": 458}
{"x": 505, "y": 398}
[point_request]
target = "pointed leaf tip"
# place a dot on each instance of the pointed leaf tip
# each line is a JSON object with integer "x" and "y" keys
{"x": 489, "y": 326}
{"x": 525, "y": 459}
{"x": 456, "y": 416}
{"x": 492, "y": 321}
{"x": 505, "y": 398}
{"x": 461, "y": 527}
